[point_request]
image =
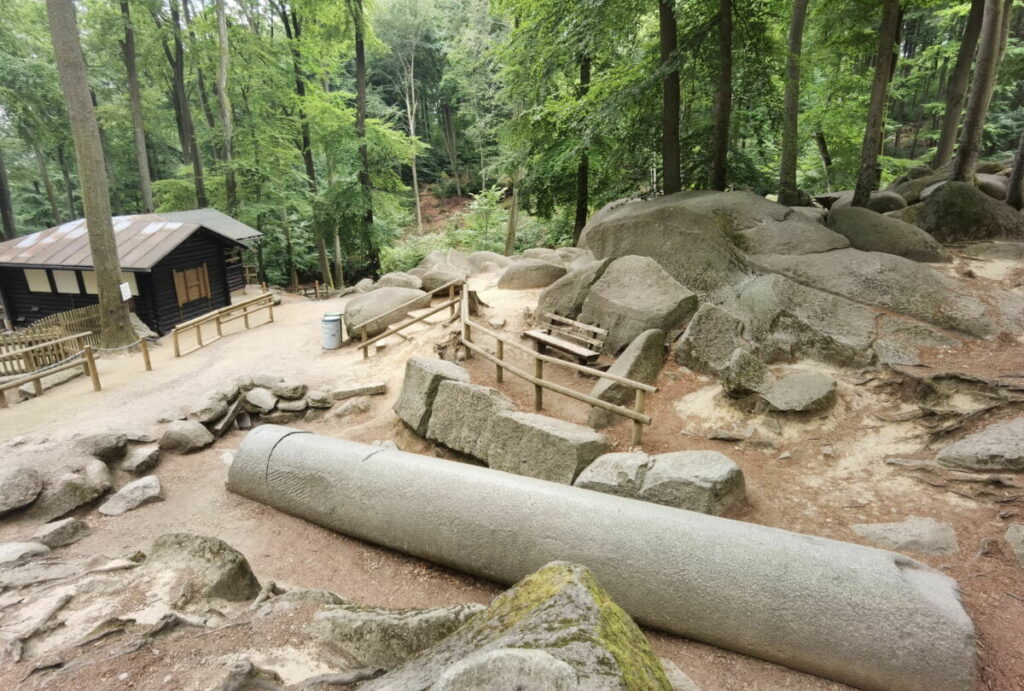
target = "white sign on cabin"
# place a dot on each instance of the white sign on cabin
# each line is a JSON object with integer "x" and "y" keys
{"x": 126, "y": 292}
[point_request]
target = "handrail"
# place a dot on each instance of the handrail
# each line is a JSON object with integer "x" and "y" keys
{"x": 365, "y": 345}
{"x": 85, "y": 357}
{"x": 263, "y": 301}
{"x": 13, "y": 354}
{"x": 353, "y": 329}
{"x": 203, "y": 318}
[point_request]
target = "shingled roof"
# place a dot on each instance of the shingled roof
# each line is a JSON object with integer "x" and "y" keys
{"x": 142, "y": 241}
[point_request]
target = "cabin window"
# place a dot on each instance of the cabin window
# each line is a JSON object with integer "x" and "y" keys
{"x": 38, "y": 281}
{"x": 192, "y": 284}
{"x": 66, "y": 282}
{"x": 89, "y": 279}
{"x": 129, "y": 278}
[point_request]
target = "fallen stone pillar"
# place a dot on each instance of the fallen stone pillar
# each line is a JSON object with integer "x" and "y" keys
{"x": 858, "y": 615}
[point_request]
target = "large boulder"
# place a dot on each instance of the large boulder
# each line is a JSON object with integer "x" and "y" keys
{"x": 742, "y": 209}
{"x": 995, "y": 186}
{"x": 694, "y": 247}
{"x": 702, "y": 481}
{"x": 480, "y": 260}
{"x": 399, "y": 279}
{"x": 890, "y": 282}
{"x": 185, "y": 436}
{"x": 385, "y": 638}
{"x": 997, "y": 447}
{"x": 106, "y": 446}
{"x": 709, "y": 340}
{"x": 792, "y": 236}
{"x": 799, "y": 392}
{"x": 555, "y": 629}
{"x": 210, "y": 567}
{"x": 374, "y": 309}
{"x": 542, "y": 447}
{"x": 915, "y": 534}
{"x": 872, "y": 232}
{"x": 566, "y": 295}
{"x": 19, "y": 486}
{"x": 81, "y": 484}
{"x": 419, "y": 388}
{"x": 960, "y": 212}
{"x": 880, "y": 201}
{"x": 529, "y": 273}
{"x": 66, "y": 531}
{"x": 462, "y": 416}
{"x": 640, "y": 361}
{"x": 634, "y": 295}
{"x": 744, "y": 373}
{"x": 443, "y": 273}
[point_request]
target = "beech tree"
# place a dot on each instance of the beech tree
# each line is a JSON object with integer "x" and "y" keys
{"x": 115, "y": 329}
{"x": 788, "y": 193}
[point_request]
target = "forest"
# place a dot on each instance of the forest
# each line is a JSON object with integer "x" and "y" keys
{"x": 330, "y": 126}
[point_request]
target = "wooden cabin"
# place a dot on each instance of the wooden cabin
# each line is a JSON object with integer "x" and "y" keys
{"x": 176, "y": 269}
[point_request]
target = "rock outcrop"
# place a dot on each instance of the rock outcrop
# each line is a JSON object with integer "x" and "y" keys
{"x": 529, "y": 273}
{"x": 997, "y": 447}
{"x": 372, "y": 309}
{"x": 422, "y": 378}
{"x": 566, "y": 295}
{"x": 873, "y": 232}
{"x": 792, "y": 236}
{"x": 640, "y": 361}
{"x": 960, "y": 212}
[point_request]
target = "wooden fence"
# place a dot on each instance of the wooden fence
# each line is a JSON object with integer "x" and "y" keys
{"x": 636, "y": 414}
{"x": 81, "y": 355}
{"x": 365, "y": 342}
{"x": 243, "y": 310}
{"x": 76, "y": 321}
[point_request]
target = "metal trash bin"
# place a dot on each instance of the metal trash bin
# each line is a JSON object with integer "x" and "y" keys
{"x": 330, "y": 327}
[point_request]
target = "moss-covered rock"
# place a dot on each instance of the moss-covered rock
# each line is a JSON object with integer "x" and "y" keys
{"x": 560, "y": 611}
{"x": 960, "y": 212}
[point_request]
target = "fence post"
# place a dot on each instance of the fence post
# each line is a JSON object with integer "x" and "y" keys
{"x": 199, "y": 334}
{"x": 217, "y": 319}
{"x": 501, "y": 356}
{"x": 638, "y": 427}
{"x": 538, "y": 390}
{"x": 145, "y": 354}
{"x": 270, "y": 309}
{"x": 30, "y": 365}
{"x": 245, "y": 315}
{"x": 80, "y": 344}
{"x": 91, "y": 359}
{"x": 451, "y": 296}
{"x": 177, "y": 347}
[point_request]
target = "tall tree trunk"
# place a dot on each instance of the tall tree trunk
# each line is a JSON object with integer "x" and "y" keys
{"x": 513, "y": 216}
{"x": 339, "y": 269}
{"x": 204, "y": 101}
{"x": 957, "y": 85}
{"x": 135, "y": 101}
{"x": 1015, "y": 190}
{"x": 583, "y": 169}
{"x": 723, "y": 98}
{"x": 826, "y": 158}
{"x": 788, "y": 193}
{"x": 293, "y": 274}
{"x": 115, "y": 329}
{"x": 185, "y": 112}
{"x": 65, "y": 173}
{"x": 115, "y": 196}
{"x": 51, "y": 196}
{"x": 867, "y": 178}
{"x": 410, "y": 110}
{"x": 450, "y": 145}
{"x": 226, "y": 119}
{"x": 667, "y": 29}
{"x": 6, "y": 207}
{"x": 364, "y": 157}
{"x": 985, "y": 69}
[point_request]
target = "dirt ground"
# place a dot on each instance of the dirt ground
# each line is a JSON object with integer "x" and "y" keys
{"x": 816, "y": 475}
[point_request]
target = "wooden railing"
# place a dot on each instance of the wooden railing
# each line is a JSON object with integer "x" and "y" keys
{"x": 243, "y": 310}
{"x": 365, "y": 342}
{"x": 80, "y": 320}
{"x": 81, "y": 355}
{"x": 38, "y": 355}
{"x": 636, "y": 414}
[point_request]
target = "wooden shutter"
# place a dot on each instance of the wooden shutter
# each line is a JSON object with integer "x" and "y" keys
{"x": 180, "y": 287}
{"x": 204, "y": 276}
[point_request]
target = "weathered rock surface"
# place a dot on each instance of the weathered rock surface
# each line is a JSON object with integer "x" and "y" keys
{"x": 693, "y": 247}
{"x": 441, "y": 274}
{"x": 372, "y": 309}
{"x": 542, "y": 447}
{"x": 997, "y": 447}
{"x": 61, "y": 533}
{"x": 15, "y": 552}
{"x": 528, "y": 273}
{"x": 709, "y": 340}
{"x": 399, "y": 279}
{"x": 634, "y": 295}
{"x": 376, "y": 637}
{"x": 792, "y": 236}
{"x": 213, "y": 568}
{"x": 19, "y": 486}
{"x": 560, "y": 613}
{"x": 640, "y": 361}
{"x": 880, "y": 201}
{"x": 478, "y": 260}
{"x": 744, "y": 373}
{"x": 873, "y": 232}
{"x": 814, "y": 213}
{"x": 209, "y": 409}
{"x": 1015, "y": 538}
{"x": 462, "y": 416}
{"x": 289, "y": 390}
{"x": 185, "y": 436}
{"x": 294, "y": 406}
{"x": 260, "y": 400}
{"x": 141, "y": 459}
{"x": 80, "y": 485}
{"x": 677, "y": 679}
{"x": 319, "y": 398}
{"x": 742, "y": 209}
{"x": 132, "y": 496}
{"x": 887, "y": 281}
{"x": 621, "y": 474}
{"x": 960, "y": 212}
{"x": 344, "y": 391}
{"x": 419, "y": 387}
{"x": 566, "y": 295}
{"x": 106, "y": 446}
{"x": 798, "y": 392}
{"x": 915, "y": 534}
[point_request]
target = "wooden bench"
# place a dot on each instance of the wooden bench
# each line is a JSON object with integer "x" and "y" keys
{"x": 580, "y": 341}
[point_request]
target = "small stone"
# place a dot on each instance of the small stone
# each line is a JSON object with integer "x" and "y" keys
{"x": 227, "y": 457}
{"x": 106, "y": 446}
{"x": 61, "y": 533}
{"x": 260, "y": 400}
{"x": 828, "y": 451}
{"x": 739, "y": 434}
{"x": 801, "y": 392}
{"x": 243, "y": 421}
{"x": 208, "y": 410}
{"x": 289, "y": 390}
{"x": 996, "y": 447}
{"x": 356, "y": 406}
{"x": 214, "y": 568}
{"x": 185, "y": 436}
{"x": 297, "y": 405}
{"x": 280, "y": 417}
{"x": 14, "y": 552}
{"x": 133, "y": 495}
{"x": 744, "y": 373}
{"x": 319, "y": 398}
{"x": 496, "y": 324}
{"x": 916, "y": 534}
{"x": 350, "y": 391}
{"x": 785, "y": 456}
{"x": 266, "y": 381}
{"x": 19, "y": 486}
{"x": 141, "y": 459}
{"x": 138, "y": 435}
